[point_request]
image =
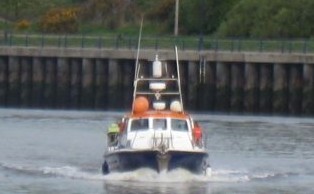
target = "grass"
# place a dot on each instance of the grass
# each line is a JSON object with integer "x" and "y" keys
{"x": 96, "y": 36}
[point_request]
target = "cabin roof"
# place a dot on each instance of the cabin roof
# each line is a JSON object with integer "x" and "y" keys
{"x": 159, "y": 114}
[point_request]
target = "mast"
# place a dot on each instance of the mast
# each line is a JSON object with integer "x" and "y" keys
{"x": 157, "y": 84}
{"x": 137, "y": 65}
{"x": 138, "y": 51}
{"x": 178, "y": 77}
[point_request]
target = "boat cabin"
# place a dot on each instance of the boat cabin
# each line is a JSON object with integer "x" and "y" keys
{"x": 155, "y": 130}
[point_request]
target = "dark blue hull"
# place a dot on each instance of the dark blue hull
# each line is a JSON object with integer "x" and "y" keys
{"x": 121, "y": 161}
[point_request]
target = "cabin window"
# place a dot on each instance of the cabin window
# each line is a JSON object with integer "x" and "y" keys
{"x": 179, "y": 125}
{"x": 139, "y": 124}
{"x": 160, "y": 124}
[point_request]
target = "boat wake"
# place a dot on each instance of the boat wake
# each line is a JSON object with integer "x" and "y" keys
{"x": 145, "y": 175}
{"x": 148, "y": 175}
{"x": 63, "y": 171}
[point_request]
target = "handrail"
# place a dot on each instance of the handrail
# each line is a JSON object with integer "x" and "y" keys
{"x": 157, "y": 43}
{"x": 133, "y": 140}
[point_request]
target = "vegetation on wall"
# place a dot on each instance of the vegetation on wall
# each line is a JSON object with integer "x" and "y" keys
{"x": 227, "y": 18}
{"x": 61, "y": 20}
{"x": 269, "y": 19}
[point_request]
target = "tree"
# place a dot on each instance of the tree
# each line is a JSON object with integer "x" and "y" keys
{"x": 203, "y": 15}
{"x": 269, "y": 19}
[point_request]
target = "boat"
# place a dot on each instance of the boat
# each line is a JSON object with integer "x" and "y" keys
{"x": 157, "y": 133}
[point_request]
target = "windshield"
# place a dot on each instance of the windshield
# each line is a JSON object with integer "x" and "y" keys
{"x": 139, "y": 124}
{"x": 179, "y": 125}
{"x": 160, "y": 124}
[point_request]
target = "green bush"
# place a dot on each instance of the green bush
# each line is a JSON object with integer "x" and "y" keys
{"x": 269, "y": 19}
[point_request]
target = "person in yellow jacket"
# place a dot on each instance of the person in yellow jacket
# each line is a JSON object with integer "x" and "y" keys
{"x": 113, "y": 132}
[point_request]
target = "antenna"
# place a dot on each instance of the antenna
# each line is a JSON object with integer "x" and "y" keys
{"x": 138, "y": 50}
{"x": 178, "y": 73}
{"x": 137, "y": 68}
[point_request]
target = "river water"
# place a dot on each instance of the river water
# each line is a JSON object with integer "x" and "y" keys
{"x": 45, "y": 151}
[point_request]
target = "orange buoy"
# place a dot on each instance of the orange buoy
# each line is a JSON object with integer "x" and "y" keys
{"x": 140, "y": 104}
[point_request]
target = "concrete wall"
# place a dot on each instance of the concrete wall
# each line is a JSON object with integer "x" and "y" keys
{"x": 265, "y": 83}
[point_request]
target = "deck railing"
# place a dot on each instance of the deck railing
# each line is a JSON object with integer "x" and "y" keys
{"x": 183, "y": 43}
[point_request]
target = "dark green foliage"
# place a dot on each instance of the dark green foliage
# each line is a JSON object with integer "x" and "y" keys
{"x": 225, "y": 18}
{"x": 269, "y": 19}
{"x": 15, "y": 10}
{"x": 203, "y": 16}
